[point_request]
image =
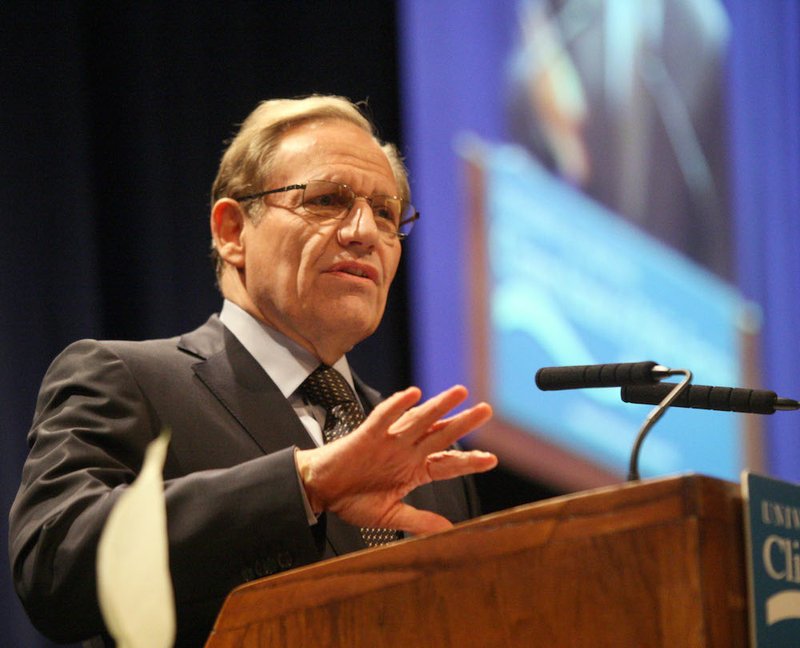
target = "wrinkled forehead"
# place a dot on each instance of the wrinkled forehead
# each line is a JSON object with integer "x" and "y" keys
{"x": 333, "y": 150}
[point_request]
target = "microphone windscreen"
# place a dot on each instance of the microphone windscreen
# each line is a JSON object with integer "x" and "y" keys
{"x": 723, "y": 399}
{"x": 603, "y": 375}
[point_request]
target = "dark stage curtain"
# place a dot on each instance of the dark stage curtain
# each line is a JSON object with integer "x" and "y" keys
{"x": 113, "y": 118}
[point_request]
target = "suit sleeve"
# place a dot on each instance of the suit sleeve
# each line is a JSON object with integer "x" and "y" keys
{"x": 87, "y": 442}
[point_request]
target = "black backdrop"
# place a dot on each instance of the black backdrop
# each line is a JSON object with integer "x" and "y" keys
{"x": 112, "y": 120}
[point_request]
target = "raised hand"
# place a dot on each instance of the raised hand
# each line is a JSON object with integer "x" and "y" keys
{"x": 364, "y": 476}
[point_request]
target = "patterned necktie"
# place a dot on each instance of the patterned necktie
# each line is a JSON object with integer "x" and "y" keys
{"x": 328, "y": 388}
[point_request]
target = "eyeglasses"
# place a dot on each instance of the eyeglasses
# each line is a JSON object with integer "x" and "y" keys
{"x": 394, "y": 216}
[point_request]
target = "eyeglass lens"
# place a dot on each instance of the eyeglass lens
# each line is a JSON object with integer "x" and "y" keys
{"x": 332, "y": 200}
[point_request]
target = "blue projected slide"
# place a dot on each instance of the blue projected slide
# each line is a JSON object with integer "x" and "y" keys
{"x": 572, "y": 283}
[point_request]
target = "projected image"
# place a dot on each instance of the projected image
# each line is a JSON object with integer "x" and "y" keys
{"x": 624, "y": 100}
{"x": 617, "y": 105}
{"x": 571, "y": 283}
{"x": 592, "y": 185}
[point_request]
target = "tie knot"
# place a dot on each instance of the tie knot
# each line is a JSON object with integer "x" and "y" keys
{"x": 327, "y": 387}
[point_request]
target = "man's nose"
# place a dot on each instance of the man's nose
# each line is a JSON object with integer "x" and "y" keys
{"x": 359, "y": 225}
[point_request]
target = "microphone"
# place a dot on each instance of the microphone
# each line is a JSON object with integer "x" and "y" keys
{"x": 602, "y": 375}
{"x": 625, "y": 375}
{"x": 724, "y": 399}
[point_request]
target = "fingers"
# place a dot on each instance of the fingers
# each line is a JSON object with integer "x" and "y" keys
{"x": 419, "y": 420}
{"x": 423, "y": 425}
{"x": 398, "y": 415}
{"x": 391, "y": 409}
{"x": 455, "y": 463}
{"x": 446, "y": 433}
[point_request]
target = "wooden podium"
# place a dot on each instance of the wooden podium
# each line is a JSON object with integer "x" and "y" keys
{"x": 657, "y": 563}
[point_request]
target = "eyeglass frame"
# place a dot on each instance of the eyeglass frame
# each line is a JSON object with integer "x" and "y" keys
{"x": 400, "y": 236}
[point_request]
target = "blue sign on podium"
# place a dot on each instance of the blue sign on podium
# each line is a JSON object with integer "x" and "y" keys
{"x": 772, "y": 522}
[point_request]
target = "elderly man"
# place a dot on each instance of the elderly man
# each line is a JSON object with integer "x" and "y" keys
{"x": 279, "y": 455}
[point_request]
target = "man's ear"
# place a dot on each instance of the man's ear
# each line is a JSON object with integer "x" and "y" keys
{"x": 227, "y": 227}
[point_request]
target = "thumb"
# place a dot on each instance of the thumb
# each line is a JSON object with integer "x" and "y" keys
{"x": 416, "y": 521}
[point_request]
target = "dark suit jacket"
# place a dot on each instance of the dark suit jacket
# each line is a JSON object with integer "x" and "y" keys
{"x": 234, "y": 505}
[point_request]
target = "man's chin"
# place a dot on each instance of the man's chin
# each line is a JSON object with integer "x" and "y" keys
{"x": 353, "y": 320}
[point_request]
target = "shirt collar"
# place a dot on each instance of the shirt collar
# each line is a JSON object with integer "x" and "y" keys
{"x": 286, "y": 362}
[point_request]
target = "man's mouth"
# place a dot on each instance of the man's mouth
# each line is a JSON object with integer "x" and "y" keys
{"x": 361, "y": 270}
{"x": 358, "y": 272}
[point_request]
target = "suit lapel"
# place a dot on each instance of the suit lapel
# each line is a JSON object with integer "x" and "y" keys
{"x": 234, "y": 377}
